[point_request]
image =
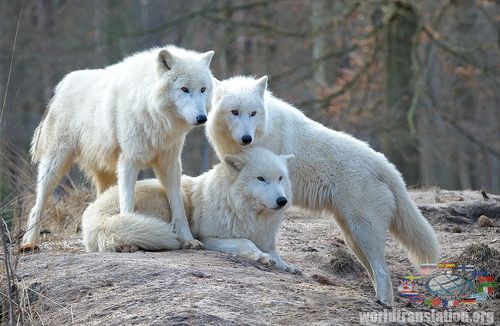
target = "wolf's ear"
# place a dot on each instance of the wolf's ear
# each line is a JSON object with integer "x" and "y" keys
{"x": 261, "y": 84}
{"x": 165, "y": 60}
{"x": 218, "y": 90}
{"x": 234, "y": 162}
{"x": 207, "y": 57}
{"x": 287, "y": 158}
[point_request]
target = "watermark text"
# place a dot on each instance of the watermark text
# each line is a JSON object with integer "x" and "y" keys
{"x": 432, "y": 316}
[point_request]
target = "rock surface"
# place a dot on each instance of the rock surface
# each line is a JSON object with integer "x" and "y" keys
{"x": 65, "y": 285}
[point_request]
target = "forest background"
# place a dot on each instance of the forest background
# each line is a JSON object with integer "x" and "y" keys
{"x": 417, "y": 80}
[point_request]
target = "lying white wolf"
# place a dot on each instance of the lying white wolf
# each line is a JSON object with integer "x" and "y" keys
{"x": 332, "y": 172}
{"x": 236, "y": 207}
{"x": 117, "y": 120}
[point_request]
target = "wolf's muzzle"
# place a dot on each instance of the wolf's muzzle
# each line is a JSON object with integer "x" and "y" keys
{"x": 246, "y": 139}
{"x": 201, "y": 119}
{"x": 281, "y": 201}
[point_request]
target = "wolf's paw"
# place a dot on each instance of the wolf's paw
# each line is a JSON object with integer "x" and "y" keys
{"x": 28, "y": 247}
{"x": 293, "y": 270}
{"x": 192, "y": 244}
{"x": 266, "y": 259}
{"x": 289, "y": 268}
{"x": 126, "y": 248}
{"x": 383, "y": 304}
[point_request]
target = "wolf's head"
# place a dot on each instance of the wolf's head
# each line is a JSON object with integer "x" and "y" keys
{"x": 184, "y": 83}
{"x": 260, "y": 180}
{"x": 239, "y": 110}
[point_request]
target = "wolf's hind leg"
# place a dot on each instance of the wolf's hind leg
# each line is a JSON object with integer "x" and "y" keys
{"x": 51, "y": 169}
{"x": 367, "y": 241}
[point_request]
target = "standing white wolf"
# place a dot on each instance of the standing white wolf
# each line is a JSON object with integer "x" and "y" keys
{"x": 117, "y": 120}
{"x": 236, "y": 207}
{"x": 332, "y": 172}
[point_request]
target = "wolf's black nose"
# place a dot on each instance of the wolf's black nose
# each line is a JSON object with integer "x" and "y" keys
{"x": 247, "y": 139}
{"x": 281, "y": 201}
{"x": 201, "y": 119}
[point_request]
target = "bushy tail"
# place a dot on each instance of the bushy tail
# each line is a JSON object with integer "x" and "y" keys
{"x": 411, "y": 228}
{"x": 38, "y": 142}
{"x": 145, "y": 232}
{"x": 35, "y": 150}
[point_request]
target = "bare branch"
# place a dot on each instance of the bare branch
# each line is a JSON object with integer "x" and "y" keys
{"x": 10, "y": 70}
{"x": 470, "y": 136}
{"x": 173, "y": 23}
{"x": 361, "y": 72}
{"x": 5, "y": 238}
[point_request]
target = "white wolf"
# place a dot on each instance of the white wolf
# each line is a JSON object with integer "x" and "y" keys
{"x": 236, "y": 207}
{"x": 120, "y": 119}
{"x": 332, "y": 172}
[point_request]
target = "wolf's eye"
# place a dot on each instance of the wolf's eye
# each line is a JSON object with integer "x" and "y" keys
{"x": 253, "y": 113}
{"x": 185, "y": 89}
{"x": 235, "y": 112}
{"x": 280, "y": 178}
{"x": 261, "y": 179}
{"x": 203, "y": 89}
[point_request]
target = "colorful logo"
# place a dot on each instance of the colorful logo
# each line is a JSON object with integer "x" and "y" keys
{"x": 448, "y": 285}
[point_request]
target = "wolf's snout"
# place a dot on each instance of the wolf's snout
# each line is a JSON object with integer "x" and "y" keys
{"x": 201, "y": 119}
{"x": 281, "y": 201}
{"x": 246, "y": 139}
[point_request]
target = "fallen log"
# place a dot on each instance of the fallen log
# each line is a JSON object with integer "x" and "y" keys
{"x": 464, "y": 212}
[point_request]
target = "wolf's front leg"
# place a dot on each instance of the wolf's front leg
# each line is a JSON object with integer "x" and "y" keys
{"x": 169, "y": 174}
{"x": 269, "y": 245}
{"x": 239, "y": 247}
{"x": 127, "y": 177}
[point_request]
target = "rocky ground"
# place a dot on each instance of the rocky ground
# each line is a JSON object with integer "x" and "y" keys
{"x": 61, "y": 284}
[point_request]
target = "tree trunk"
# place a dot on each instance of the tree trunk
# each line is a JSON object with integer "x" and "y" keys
{"x": 153, "y": 14}
{"x": 318, "y": 17}
{"x": 4, "y": 21}
{"x": 226, "y": 58}
{"x": 464, "y": 108}
{"x": 45, "y": 24}
{"x": 268, "y": 45}
{"x": 99, "y": 14}
{"x": 115, "y": 27}
{"x": 397, "y": 142}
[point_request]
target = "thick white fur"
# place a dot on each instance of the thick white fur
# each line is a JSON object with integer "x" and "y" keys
{"x": 120, "y": 119}
{"x": 229, "y": 209}
{"x": 332, "y": 172}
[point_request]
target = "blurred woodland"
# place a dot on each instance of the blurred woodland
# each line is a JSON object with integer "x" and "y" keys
{"x": 418, "y": 80}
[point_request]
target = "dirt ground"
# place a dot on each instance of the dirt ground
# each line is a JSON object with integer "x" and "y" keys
{"x": 64, "y": 285}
